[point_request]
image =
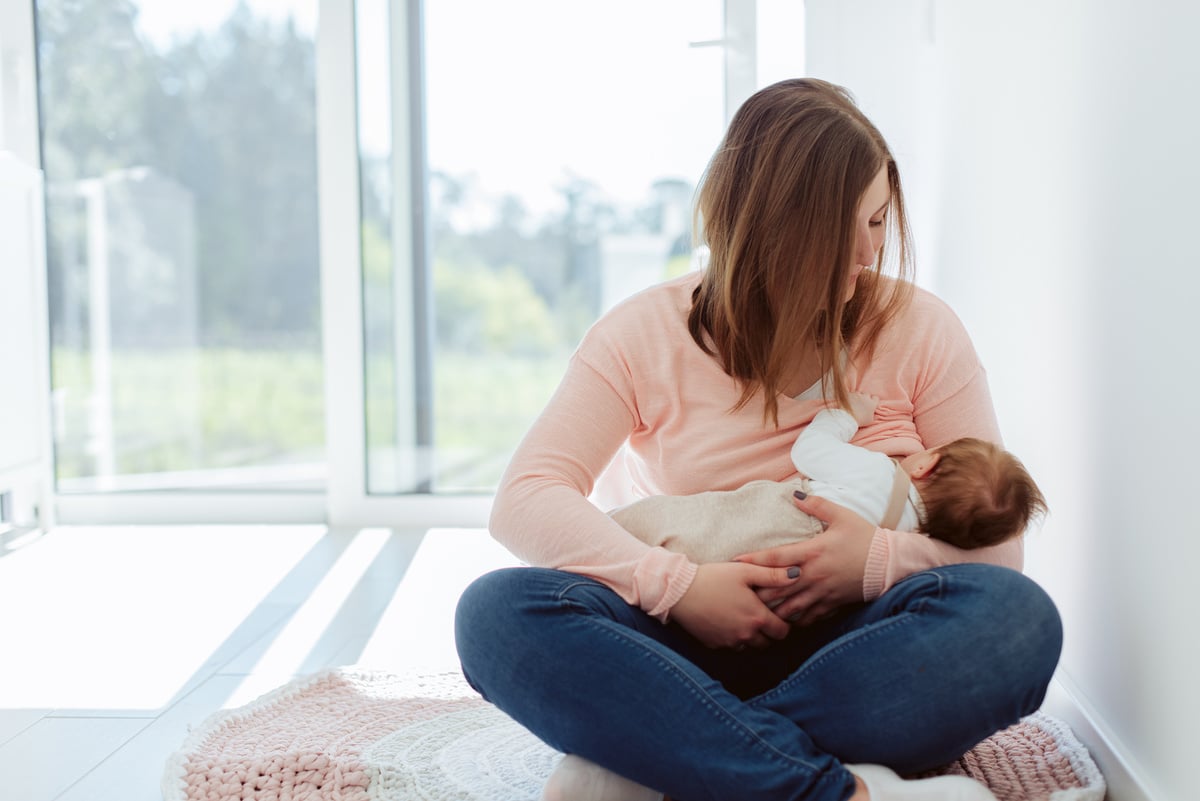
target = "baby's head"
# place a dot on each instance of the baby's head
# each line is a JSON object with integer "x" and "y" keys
{"x": 974, "y": 493}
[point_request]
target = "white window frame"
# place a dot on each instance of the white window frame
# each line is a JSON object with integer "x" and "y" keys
{"x": 26, "y": 480}
{"x": 348, "y": 503}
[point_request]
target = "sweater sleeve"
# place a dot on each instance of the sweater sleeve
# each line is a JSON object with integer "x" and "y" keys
{"x": 541, "y": 510}
{"x": 950, "y": 399}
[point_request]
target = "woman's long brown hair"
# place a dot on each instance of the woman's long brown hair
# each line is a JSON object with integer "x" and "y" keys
{"x": 778, "y": 209}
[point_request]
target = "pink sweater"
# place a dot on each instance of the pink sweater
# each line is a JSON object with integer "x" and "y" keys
{"x": 639, "y": 379}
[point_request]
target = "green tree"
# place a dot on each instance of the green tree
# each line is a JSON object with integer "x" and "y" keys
{"x": 480, "y": 310}
{"x": 95, "y": 77}
{"x": 246, "y": 145}
{"x": 230, "y": 115}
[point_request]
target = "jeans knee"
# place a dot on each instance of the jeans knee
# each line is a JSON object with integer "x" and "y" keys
{"x": 1026, "y": 621}
{"x": 485, "y": 593}
{"x": 1046, "y": 624}
{"x": 479, "y": 617}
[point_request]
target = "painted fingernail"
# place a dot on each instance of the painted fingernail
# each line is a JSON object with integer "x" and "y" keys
{"x": 793, "y": 572}
{"x": 800, "y": 495}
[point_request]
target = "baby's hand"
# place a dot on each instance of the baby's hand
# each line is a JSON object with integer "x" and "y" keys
{"x": 863, "y": 407}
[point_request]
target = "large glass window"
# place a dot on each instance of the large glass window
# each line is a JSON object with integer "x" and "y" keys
{"x": 179, "y": 149}
{"x": 555, "y": 148}
{"x": 521, "y": 168}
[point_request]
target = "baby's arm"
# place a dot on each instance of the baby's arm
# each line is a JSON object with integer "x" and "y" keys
{"x": 863, "y": 407}
{"x": 823, "y": 450}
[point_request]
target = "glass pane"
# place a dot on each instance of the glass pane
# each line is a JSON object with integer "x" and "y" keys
{"x": 564, "y": 141}
{"x": 179, "y": 146}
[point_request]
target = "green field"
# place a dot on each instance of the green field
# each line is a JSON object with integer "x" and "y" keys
{"x": 190, "y": 409}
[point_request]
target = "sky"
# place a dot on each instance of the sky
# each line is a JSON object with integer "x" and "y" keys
{"x": 160, "y": 20}
{"x": 523, "y": 95}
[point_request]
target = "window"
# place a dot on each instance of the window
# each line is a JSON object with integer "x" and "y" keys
{"x": 179, "y": 149}
{"x": 491, "y": 178}
{"x": 555, "y": 149}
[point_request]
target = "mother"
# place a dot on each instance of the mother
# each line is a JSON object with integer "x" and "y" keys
{"x": 809, "y": 671}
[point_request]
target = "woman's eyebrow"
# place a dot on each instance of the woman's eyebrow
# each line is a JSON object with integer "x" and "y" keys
{"x": 886, "y": 203}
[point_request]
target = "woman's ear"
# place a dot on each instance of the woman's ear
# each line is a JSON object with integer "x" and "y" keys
{"x": 923, "y": 463}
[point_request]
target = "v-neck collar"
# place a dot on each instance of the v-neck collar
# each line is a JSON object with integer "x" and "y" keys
{"x": 816, "y": 391}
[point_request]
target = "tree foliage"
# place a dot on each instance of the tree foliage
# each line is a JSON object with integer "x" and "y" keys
{"x": 227, "y": 114}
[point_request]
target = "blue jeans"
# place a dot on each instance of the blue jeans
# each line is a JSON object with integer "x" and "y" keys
{"x": 911, "y": 680}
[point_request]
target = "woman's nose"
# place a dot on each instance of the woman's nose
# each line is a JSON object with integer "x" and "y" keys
{"x": 864, "y": 249}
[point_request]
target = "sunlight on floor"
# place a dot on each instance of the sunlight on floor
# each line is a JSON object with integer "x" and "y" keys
{"x": 290, "y": 648}
{"x": 416, "y": 631}
{"x": 132, "y": 619}
{"x": 132, "y": 615}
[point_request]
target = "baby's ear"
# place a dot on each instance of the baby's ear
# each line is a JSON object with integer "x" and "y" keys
{"x": 924, "y": 464}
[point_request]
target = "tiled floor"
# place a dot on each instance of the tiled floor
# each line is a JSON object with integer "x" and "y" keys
{"x": 114, "y": 640}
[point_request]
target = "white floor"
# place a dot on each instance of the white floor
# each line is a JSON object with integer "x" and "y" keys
{"x": 114, "y": 640}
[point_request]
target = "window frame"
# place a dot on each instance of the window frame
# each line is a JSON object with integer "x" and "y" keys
{"x": 26, "y": 484}
{"x": 338, "y": 177}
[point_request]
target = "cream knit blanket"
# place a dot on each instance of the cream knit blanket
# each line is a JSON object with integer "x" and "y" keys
{"x": 717, "y": 526}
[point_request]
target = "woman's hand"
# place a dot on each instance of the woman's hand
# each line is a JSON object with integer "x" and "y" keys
{"x": 831, "y": 564}
{"x": 722, "y": 607}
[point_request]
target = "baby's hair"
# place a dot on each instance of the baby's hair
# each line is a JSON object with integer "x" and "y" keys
{"x": 978, "y": 494}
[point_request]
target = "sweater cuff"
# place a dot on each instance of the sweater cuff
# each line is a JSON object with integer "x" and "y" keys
{"x": 677, "y": 584}
{"x": 875, "y": 573}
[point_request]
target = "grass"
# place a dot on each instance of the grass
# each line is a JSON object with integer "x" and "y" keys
{"x": 197, "y": 409}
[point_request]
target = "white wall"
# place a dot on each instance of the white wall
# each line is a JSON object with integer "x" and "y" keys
{"x": 1060, "y": 139}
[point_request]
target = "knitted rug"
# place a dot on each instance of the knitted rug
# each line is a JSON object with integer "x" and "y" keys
{"x": 352, "y": 735}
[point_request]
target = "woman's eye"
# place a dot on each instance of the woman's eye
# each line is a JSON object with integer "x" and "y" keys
{"x": 878, "y": 223}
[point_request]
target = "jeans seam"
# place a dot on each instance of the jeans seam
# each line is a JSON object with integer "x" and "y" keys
{"x": 860, "y": 636}
{"x": 618, "y": 632}
{"x": 941, "y": 592}
{"x": 560, "y": 596}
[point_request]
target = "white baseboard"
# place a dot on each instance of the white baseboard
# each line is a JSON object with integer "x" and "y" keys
{"x": 1125, "y": 779}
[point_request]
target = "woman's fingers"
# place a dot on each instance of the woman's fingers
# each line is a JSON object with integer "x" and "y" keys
{"x": 789, "y": 555}
{"x": 779, "y": 556}
{"x": 774, "y": 577}
{"x": 802, "y": 609}
{"x": 831, "y": 565}
{"x": 793, "y": 553}
{"x": 721, "y": 609}
{"x": 773, "y": 594}
{"x": 824, "y": 510}
{"x": 778, "y": 579}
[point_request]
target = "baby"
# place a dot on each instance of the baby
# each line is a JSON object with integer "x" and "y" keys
{"x": 969, "y": 493}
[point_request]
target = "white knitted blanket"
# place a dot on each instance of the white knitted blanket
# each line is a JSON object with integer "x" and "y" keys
{"x": 354, "y": 735}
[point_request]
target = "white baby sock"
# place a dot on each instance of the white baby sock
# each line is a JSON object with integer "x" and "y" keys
{"x": 576, "y": 779}
{"x": 884, "y": 785}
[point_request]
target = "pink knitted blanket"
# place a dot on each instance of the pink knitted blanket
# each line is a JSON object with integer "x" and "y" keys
{"x": 352, "y": 735}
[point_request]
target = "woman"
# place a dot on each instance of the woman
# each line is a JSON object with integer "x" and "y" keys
{"x": 808, "y": 671}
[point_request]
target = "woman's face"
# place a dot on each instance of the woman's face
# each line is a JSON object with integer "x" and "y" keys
{"x": 872, "y": 211}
